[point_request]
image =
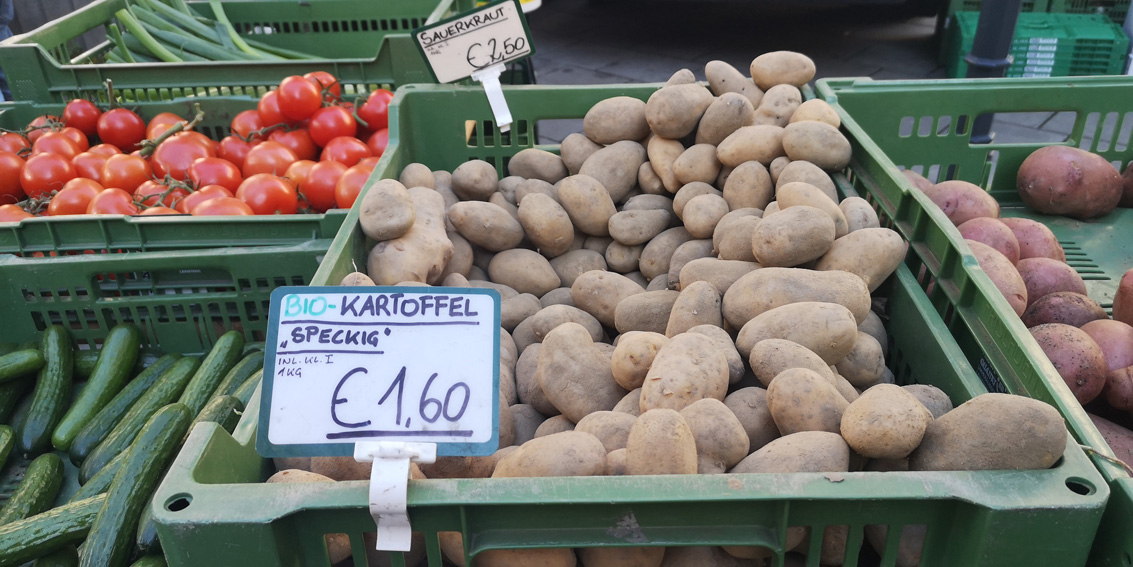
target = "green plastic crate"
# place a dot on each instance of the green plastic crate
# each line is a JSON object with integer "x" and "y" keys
{"x": 366, "y": 44}
{"x": 926, "y": 126}
{"x": 212, "y": 508}
{"x": 1115, "y": 10}
{"x": 1045, "y": 44}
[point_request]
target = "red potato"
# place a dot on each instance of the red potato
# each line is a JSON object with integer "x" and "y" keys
{"x": 1127, "y": 187}
{"x": 1076, "y": 357}
{"x": 1123, "y": 299}
{"x": 994, "y": 233}
{"x": 1115, "y": 339}
{"x": 962, "y": 201}
{"x": 1065, "y": 307}
{"x": 1043, "y": 276}
{"x": 1117, "y": 437}
{"x": 1118, "y": 391}
{"x": 1035, "y": 239}
{"x": 919, "y": 181}
{"x": 1002, "y": 273}
{"x": 1062, "y": 180}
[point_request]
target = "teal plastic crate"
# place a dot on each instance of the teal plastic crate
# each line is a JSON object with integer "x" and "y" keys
{"x": 213, "y": 508}
{"x": 926, "y": 126}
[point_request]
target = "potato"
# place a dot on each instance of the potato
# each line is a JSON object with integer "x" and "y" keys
{"x": 807, "y": 172}
{"x": 792, "y": 237}
{"x": 659, "y": 251}
{"x": 934, "y": 399}
{"x": 633, "y": 356}
{"x": 1035, "y": 239}
{"x": 462, "y": 257}
{"x": 1042, "y": 276}
{"x": 817, "y": 142}
{"x": 526, "y": 420}
{"x": 577, "y": 262}
{"x": 1065, "y": 307}
{"x": 873, "y": 326}
{"x": 909, "y": 546}
{"x": 1115, "y": 339}
{"x": 588, "y": 204}
{"x": 724, "y": 78}
{"x": 508, "y": 185}
{"x": 803, "y": 400}
{"x": 674, "y": 111}
{"x": 569, "y": 453}
{"x": 685, "y": 253}
{"x": 356, "y": 279}
{"x": 547, "y": 318}
{"x": 533, "y": 163}
{"x": 487, "y": 225}
{"x": 724, "y": 342}
{"x": 1117, "y": 437}
{"x": 635, "y": 227}
{"x": 1002, "y": 273}
{"x": 647, "y": 311}
{"x": 1064, "y": 180}
{"x": 615, "y": 168}
{"x": 827, "y": 329}
{"x": 338, "y": 545}
{"x": 421, "y": 254}
{"x": 697, "y": 163}
{"x": 554, "y": 424}
{"x": 761, "y": 143}
{"x": 917, "y": 180}
{"x": 631, "y": 403}
{"x": 732, "y": 237}
{"x": 961, "y": 201}
{"x": 386, "y": 211}
{"x": 859, "y": 213}
{"x": 771, "y": 357}
{"x": 798, "y": 193}
{"x": 557, "y": 296}
{"x": 546, "y": 557}
{"x": 765, "y": 289}
{"x": 748, "y": 186}
{"x": 514, "y": 310}
{"x": 598, "y": 293}
{"x": 885, "y": 422}
{"x": 864, "y": 366}
{"x": 779, "y": 103}
{"x": 547, "y": 224}
{"x": 782, "y": 67}
{"x": 598, "y": 244}
{"x": 621, "y": 556}
{"x": 721, "y": 441}
{"x": 459, "y": 467}
{"x": 725, "y": 115}
{"x": 660, "y": 442}
{"x": 662, "y": 152}
{"x": 993, "y": 233}
{"x": 417, "y": 175}
{"x": 525, "y": 271}
{"x": 574, "y": 374}
{"x": 615, "y": 119}
{"x": 681, "y": 77}
{"x": 623, "y": 259}
{"x": 1077, "y": 358}
{"x": 816, "y": 109}
{"x": 1123, "y": 299}
{"x": 532, "y": 186}
{"x": 697, "y": 304}
{"x": 475, "y": 180}
{"x": 649, "y": 203}
{"x": 1028, "y": 435}
{"x": 750, "y": 407}
{"x": 527, "y": 385}
{"x": 845, "y": 388}
{"x": 574, "y": 150}
{"x": 610, "y": 427}
{"x": 806, "y": 451}
{"x": 702, "y": 213}
{"x": 688, "y": 368}
{"x": 720, "y": 273}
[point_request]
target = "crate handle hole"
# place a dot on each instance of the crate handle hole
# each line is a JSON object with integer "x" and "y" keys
{"x": 1080, "y": 486}
{"x": 178, "y": 502}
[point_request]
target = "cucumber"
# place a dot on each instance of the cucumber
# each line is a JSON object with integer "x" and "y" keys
{"x": 104, "y": 421}
{"x": 51, "y": 394}
{"x": 150, "y": 561}
{"x": 36, "y": 491}
{"x": 50, "y": 531}
{"x": 10, "y": 394}
{"x": 147, "y": 541}
{"x": 223, "y": 410}
{"x": 20, "y": 413}
{"x": 223, "y": 356}
{"x": 253, "y": 346}
{"x": 115, "y": 362}
{"x": 17, "y": 364}
{"x": 245, "y": 391}
{"x": 146, "y": 358}
{"x": 240, "y": 374}
{"x": 167, "y": 389}
{"x": 66, "y": 556}
{"x": 111, "y": 539}
{"x": 100, "y": 482}
{"x": 7, "y": 441}
{"x": 84, "y": 362}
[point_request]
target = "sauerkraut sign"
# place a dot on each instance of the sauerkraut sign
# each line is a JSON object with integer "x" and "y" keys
{"x": 459, "y": 47}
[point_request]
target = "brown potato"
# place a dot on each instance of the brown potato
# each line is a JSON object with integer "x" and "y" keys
{"x": 660, "y": 442}
{"x": 598, "y": 293}
{"x": 729, "y": 112}
{"x": 634, "y": 227}
{"x": 485, "y": 224}
{"x": 859, "y": 213}
{"x": 662, "y": 152}
{"x": 554, "y": 424}
{"x": 574, "y": 374}
{"x": 994, "y": 233}
{"x": 807, "y": 173}
{"x": 674, "y": 111}
{"x": 817, "y": 142}
{"x": 1077, "y": 358}
{"x": 422, "y": 253}
{"x": 803, "y": 400}
{"x": 816, "y": 109}
{"x": 615, "y": 168}
{"x": 798, "y": 193}
{"x": 475, "y": 180}
{"x": 577, "y": 262}
{"x": 885, "y": 422}
{"x": 623, "y": 259}
{"x": 570, "y": 453}
{"x": 864, "y": 365}
{"x": 806, "y": 451}
{"x": 771, "y": 357}
{"x": 720, "y": 273}
{"x": 721, "y": 441}
{"x": 732, "y": 237}
{"x": 764, "y": 289}
{"x": 697, "y": 304}
{"x": 621, "y": 556}
{"x": 588, "y": 203}
{"x": 610, "y": 427}
{"x": 633, "y": 355}
{"x": 1064, "y": 180}
{"x": 778, "y": 105}
{"x": 647, "y": 311}
{"x": 702, "y": 213}
{"x": 688, "y": 368}
{"x": 547, "y": 224}
{"x": 614, "y": 119}
{"x": 750, "y": 407}
{"x": 748, "y": 186}
{"x": 688, "y": 192}
{"x": 546, "y": 319}
{"x": 1065, "y": 307}
{"x": 724, "y": 78}
{"x": 782, "y": 67}
{"x": 1046, "y": 275}
{"x": 762, "y": 143}
{"x": 934, "y": 399}
{"x": 417, "y": 175}
{"x": 575, "y": 149}
{"x": 962, "y": 201}
{"x": 525, "y": 271}
{"x": 1002, "y": 273}
{"x": 793, "y": 236}
{"x": 1035, "y": 239}
{"x": 658, "y": 253}
{"x": 356, "y": 279}
{"x": 386, "y": 211}
{"x": 827, "y": 329}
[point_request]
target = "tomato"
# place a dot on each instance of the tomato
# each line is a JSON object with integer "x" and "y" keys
{"x": 125, "y": 172}
{"x": 10, "y": 167}
{"x": 375, "y": 111}
{"x": 378, "y": 141}
{"x": 267, "y": 194}
{"x": 162, "y": 122}
{"x": 215, "y": 171}
{"x": 330, "y": 122}
{"x": 13, "y": 142}
{"x": 298, "y": 141}
{"x": 268, "y": 157}
{"x": 298, "y": 97}
{"x": 298, "y": 172}
{"x": 112, "y": 202}
{"x": 77, "y": 136}
{"x": 246, "y": 123}
{"x": 371, "y": 161}
{"x": 44, "y": 173}
{"x": 346, "y": 150}
{"x": 89, "y": 165}
{"x": 188, "y": 202}
{"x": 82, "y": 114}
{"x": 174, "y": 156}
{"x": 328, "y": 85}
{"x": 350, "y": 184}
{"x": 268, "y": 108}
{"x": 228, "y": 206}
{"x": 202, "y": 140}
{"x": 318, "y": 186}
{"x": 55, "y": 143}
{"x": 234, "y": 150}
{"x": 152, "y": 211}
{"x": 121, "y": 127}
{"x": 105, "y": 150}
{"x": 151, "y": 194}
{"x": 13, "y": 213}
{"x": 74, "y": 198}
{"x": 40, "y": 125}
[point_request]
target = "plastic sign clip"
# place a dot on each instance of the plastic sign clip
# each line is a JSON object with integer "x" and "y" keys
{"x": 489, "y": 77}
{"x": 389, "y": 486}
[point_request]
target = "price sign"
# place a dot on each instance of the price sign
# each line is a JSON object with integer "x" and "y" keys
{"x": 347, "y": 365}
{"x": 461, "y": 46}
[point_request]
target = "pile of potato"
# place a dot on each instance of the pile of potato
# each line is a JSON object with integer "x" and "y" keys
{"x": 684, "y": 293}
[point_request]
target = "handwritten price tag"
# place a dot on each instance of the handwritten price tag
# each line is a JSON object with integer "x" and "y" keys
{"x": 349, "y": 364}
{"x": 458, "y": 47}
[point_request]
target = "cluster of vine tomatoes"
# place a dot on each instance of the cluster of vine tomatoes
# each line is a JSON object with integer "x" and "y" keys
{"x": 302, "y": 149}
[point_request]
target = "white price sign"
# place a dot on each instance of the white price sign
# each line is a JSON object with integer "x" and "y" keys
{"x": 458, "y": 47}
{"x": 347, "y": 365}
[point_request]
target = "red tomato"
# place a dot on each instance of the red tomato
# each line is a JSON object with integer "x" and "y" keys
{"x": 174, "y": 156}
{"x": 152, "y": 211}
{"x": 82, "y": 114}
{"x": 44, "y": 173}
{"x": 378, "y": 141}
{"x": 187, "y": 203}
{"x": 298, "y": 141}
{"x": 375, "y": 111}
{"x": 55, "y": 143}
{"x": 74, "y": 198}
{"x": 330, "y": 122}
{"x": 268, "y": 108}
{"x": 267, "y": 194}
{"x": 13, "y": 213}
{"x": 318, "y": 186}
{"x": 77, "y": 136}
{"x": 228, "y": 206}
{"x": 298, "y": 172}
{"x": 13, "y": 142}
{"x": 202, "y": 140}
{"x": 125, "y": 172}
{"x": 112, "y": 202}
{"x": 40, "y": 125}
{"x": 215, "y": 171}
{"x": 298, "y": 97}
{"x": 10, "y": 167}
{"x": 371, "y": 161}
{"x": 268, "y": 157}
{"x": 350, "y": 184}
{"x": 346, "y": 150}
{"x": 162, "y": 122}
{"x": 328, "y": 85}
{"x": 247, "y": 122}
{"x": 152, "y": 194}
{"x": 105, "y": 149}
{"x": 121, "y": 127}
{"x": 89, "y": 164}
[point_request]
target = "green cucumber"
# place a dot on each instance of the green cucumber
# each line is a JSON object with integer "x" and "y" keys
{"x": 223, "y": 410}
{"x": 66, "y": 556}
{"x": 50, "y": 531}
{"x": 239, "y": 374}
{"x": 150, "y": 561}
{"x": 115, "y": 362}
{"x": 16, "y": 364}
{"x": 147, "y": 541}
{"x": 104, "y": 421}
{"x": 167, "y": 389}
{"x": 36, "y": 491}
{"x": 253, "y": 346}
{"x": 51, "y": 394}
{"x": 100, "y": 482}
{"x": 7, "y": 441}
{"x": 20, "y": 412}
{"x": 10, "y": 395}
{"x": 223, "y": 356}
{"x": 245, "y": 391}
{"x": 84, "y": 362}
{"x": 111, "y": 539}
